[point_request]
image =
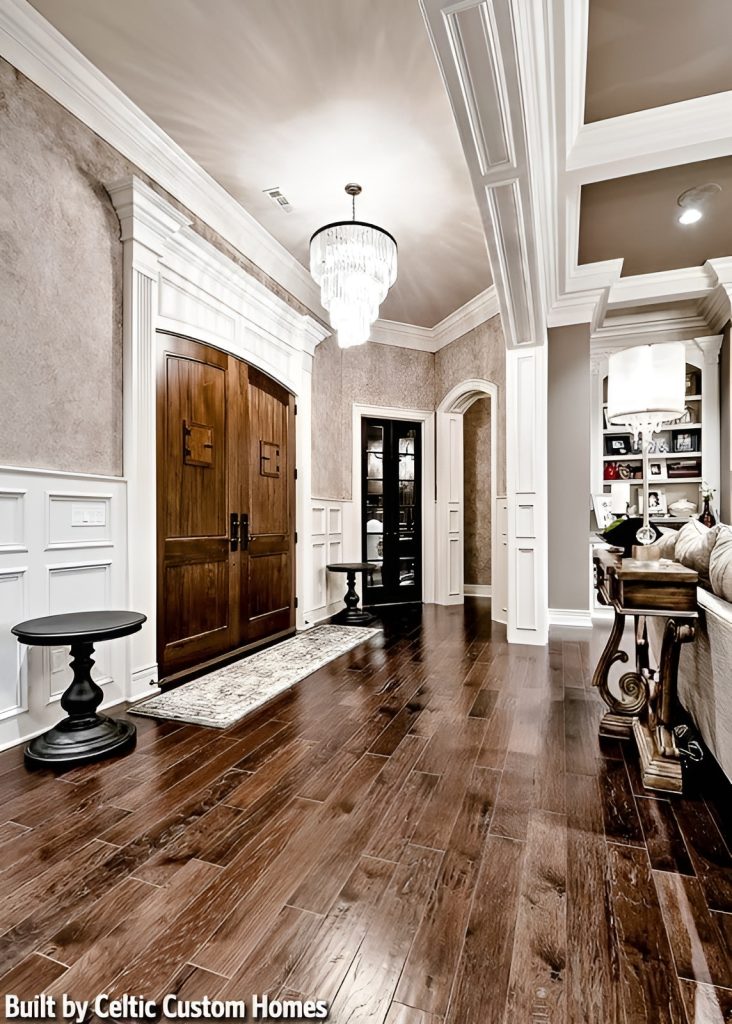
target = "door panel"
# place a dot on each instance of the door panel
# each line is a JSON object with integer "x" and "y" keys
{"x": 270, "y": 499}
{"x": 196, "y": 588}
{"x": 224, "y": 452}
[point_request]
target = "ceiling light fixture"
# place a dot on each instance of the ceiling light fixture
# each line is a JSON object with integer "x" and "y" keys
{"x": 355, "y": 264}
{"x": 692, "y": 201}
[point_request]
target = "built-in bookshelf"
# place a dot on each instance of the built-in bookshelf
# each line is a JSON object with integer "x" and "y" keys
{"x": 684, "y": 452}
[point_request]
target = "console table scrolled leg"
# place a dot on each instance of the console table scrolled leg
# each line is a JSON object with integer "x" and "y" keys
{"x": 660, "y": 760}
{"x": 617, "y": 722}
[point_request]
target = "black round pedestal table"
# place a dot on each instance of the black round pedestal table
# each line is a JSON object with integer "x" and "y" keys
{"x": 352, "y": 615}
{"x": 84, "y": 735}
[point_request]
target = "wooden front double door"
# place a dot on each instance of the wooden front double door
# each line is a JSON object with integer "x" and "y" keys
{"x": 225, "y": 506}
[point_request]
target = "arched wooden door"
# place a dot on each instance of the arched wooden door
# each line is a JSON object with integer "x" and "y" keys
{"x": 225, "y": 506}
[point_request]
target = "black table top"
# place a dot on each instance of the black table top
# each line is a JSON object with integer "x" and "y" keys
{"x": 351, "y": 566}
{"x": 73, "y": 627}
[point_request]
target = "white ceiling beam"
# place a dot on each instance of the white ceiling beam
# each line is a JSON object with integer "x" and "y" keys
{"x": 476, "y": 43}
{"x": 679, "y": 133}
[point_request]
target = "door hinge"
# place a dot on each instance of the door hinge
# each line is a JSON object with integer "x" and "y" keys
{"x": 296, "y": 602}
{"x": 296, "y": 408}
{"x": 296, "y": 536}
{"x": 296, "y": 474}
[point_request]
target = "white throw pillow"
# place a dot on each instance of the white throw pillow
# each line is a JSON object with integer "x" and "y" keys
{"x": 666, "y": 543}
{"x": 720, "y": 564}
{"x": 694, "y": 548}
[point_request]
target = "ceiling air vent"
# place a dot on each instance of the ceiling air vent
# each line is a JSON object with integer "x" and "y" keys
{"x": 278, "y": 198}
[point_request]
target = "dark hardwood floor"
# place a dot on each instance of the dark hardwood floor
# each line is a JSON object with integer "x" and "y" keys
{"x": 427, "y": 830}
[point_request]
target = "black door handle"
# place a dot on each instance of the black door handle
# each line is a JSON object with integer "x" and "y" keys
{"x": 244, "y": 531}
{"x": 234, "y": 531}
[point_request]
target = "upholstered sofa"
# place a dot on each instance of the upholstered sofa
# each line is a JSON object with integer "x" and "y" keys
{"x": 705, "y": 666}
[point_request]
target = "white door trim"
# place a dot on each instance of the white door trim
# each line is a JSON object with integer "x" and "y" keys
{"x": 176, "y": 281}
{"x": 450, "y": 582}
{"x": 427, "y": 419}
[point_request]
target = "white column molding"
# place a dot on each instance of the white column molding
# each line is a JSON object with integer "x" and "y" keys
{"x": 526, "y": 431}
{"x": 175, "y": 280}
{"x": 147, "y": 224}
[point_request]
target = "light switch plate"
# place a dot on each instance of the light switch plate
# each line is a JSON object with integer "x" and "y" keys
{"x": 88, "y": 515}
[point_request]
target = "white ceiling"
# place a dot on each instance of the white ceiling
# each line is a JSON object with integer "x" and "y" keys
{"x": 306, "y": 95}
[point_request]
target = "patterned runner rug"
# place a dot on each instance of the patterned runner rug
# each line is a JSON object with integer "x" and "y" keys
{"x": 225, "y": 695}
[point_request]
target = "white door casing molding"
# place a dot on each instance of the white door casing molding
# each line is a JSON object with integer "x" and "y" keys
{"x": 450, "y": 583}
{"x": 174, "y": 280}
{"x": 352, "y": 513}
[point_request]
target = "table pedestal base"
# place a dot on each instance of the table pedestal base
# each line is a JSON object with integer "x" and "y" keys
{"x": 84, "y": 735}
{"x": 352, "y": 615}
{"x": 616, "y": 727}
{"x": 658, "y": 770}
{"x": 72, "y": 742}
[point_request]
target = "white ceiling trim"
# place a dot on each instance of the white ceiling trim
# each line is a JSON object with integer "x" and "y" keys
{"x": 484, "y": 83}
{"x": 431, "y": 339}
{"x": 682, "y": 132}
{"x": 35, "y": 47}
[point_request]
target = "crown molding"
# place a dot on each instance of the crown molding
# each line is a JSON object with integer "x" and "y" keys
{"x": 37, "y": 49}
{"x": 431, "y": 339}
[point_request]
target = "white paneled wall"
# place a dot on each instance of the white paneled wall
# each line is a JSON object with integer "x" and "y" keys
{"x": 327, "y": 545}
{"x": 62, "y": 549}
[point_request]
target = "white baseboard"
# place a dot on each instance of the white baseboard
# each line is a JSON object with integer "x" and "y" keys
{"x": 580, "y": 619}
{"x": 478, "y": 590}
{"x": 317, "y": 615}
{"x": 143, "y": 683}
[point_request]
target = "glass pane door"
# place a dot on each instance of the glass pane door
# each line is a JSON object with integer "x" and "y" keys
{"x": 375, "y": 500}
{"x": 391, "y": 513}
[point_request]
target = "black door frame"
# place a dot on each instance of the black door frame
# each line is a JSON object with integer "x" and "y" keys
{"x": 394, "y": 593}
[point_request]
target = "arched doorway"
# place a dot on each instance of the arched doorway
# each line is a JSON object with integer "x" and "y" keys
{"x": 450, "y": 485}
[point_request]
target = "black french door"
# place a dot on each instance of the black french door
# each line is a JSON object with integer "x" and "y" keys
{"x": 391, "y": 513}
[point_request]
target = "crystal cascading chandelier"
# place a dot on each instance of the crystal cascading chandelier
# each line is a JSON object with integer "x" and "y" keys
{"x": 355, "y": 265}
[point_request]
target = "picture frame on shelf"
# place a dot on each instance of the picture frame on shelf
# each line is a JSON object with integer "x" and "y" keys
{"x": 605, "y": 420}
{"x": 686, "y": 441}
{"x": 603, "y": 508}
{"x": 657, "y": 505}
{"x": 618, "y": 444}
{"x": 656, "y": 469}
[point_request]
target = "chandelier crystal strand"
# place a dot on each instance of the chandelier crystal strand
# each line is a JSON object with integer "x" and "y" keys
{"x": 354, "y": 264}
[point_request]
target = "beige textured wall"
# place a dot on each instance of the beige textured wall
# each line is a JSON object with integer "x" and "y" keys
{"x": 569, "y": 466}
{"x": 401, "y": 378}
{"x": 61, "y": 286}
{"x": 372, "y": 374}
{"x": 477, "y": 489}
{"x": 481, "y": 353}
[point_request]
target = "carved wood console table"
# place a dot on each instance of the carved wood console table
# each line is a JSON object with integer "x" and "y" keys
{"x": 646, "y": 703}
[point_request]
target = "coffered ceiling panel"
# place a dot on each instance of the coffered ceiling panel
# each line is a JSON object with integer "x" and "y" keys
{"x": 636, "y": 218}
{"x": 647, "y": 53}
{"x": 306, "y": 95}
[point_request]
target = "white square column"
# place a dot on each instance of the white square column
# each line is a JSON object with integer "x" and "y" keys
{"x": 526, "y": 473}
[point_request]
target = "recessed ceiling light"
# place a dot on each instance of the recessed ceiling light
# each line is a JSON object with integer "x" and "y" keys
{"x": 693, "y": 201}
{"x": 690, "y": 215}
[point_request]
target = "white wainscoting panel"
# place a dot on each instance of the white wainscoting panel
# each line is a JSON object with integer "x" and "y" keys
{"x": 12, "y": 520}
{"x": 327, "y": 545}
{"x": 62, "y": 549}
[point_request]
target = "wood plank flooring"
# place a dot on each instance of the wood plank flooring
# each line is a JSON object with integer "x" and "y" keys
{"x": 426, "y": 831}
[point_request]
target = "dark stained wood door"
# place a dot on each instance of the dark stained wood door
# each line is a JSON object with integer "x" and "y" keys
{"x": 226, "y": 506}
{"x": 268, "y": 498}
